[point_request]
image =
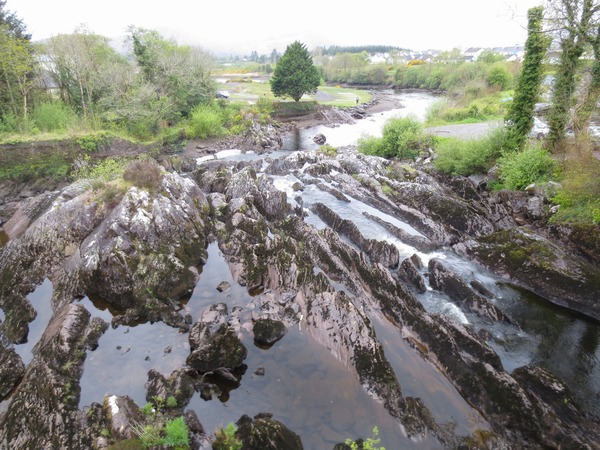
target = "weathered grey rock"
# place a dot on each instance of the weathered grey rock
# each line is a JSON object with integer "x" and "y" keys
{"x": 12, "y": 370}
{"x": 143, "y": 256}
{"x": 180, "y": 385}
{"x": 223, "y": 286}
{"x": 443, "y": 279}
{"x": 220, "y": 349}
{"x": 265, "y": 433}
{"x": 26, "y": 213}
{"x": 268, "y": 331}
{"x": 380, "y": 252}
{"x": 320, "y": 139}
{"x": 123, "y": 414}
{"x": 214, "y": 344}
{"x": 541, "y": 266}
{"x": 43, "y": 410}
{"x": 409, "y": 272}
{"x": 461, "y": 217}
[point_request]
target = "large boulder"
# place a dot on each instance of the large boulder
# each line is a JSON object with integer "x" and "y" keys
{"x": 214, "y": 343}
{"x": 268, "y": 331}
{"x": 265, "y": 433}
{"x": 144, "y": 255}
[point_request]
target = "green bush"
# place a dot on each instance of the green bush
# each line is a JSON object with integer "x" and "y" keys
{"x": 176, "y": 434}
{"x": 466, "y": 157}
{"x": 402, "y": 138}
{"x": 499, "y": 77}
{"x": 55, "y": 116}
{"x": 327, "y": 150}
{"x": 205, "y": 121}
{"x": 93, "y": 142}
{"x": 225, "y": 439}
{"x": 579, "y": 198}
{"x": 519, "y": 169}
{"x": 101, "y": 173}
{"x": 370, "y": 444}
{"x": 8, "y": 124}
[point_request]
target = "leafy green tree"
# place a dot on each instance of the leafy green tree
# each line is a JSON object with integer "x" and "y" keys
{"x": 180, "y": 75}
{"x": 295, "y": 73}
{"x": 519, "y": 119}
{"x": 17, "y": 67}
{"x": 83, "y": 66}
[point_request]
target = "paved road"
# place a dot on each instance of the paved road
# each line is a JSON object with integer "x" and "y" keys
{"x": 465, "y": 131}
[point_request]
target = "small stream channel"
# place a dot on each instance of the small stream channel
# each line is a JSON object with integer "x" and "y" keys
{"x": 304, "y": 385}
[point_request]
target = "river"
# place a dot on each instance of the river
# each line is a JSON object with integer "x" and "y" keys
{"x": 304, "y": 385}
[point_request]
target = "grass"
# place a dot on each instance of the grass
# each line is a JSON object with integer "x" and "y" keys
{"x": 251, "y": 92}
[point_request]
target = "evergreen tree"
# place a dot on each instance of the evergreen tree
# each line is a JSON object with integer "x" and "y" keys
{"x": 295, "y": 73}
{"x": 519, "y": 119}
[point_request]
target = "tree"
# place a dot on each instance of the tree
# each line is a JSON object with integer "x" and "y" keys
{"x": 79, "y": 63}
{"x": 295, "y": 73}
{"x": 15, "y": 26}
{"x": 17, "y": 66}
{"x": 519, "y": 118}
{"x": 572, "y": 21}
{"x": 180, "y": 75}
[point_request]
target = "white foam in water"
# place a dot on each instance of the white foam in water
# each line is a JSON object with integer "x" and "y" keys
{"x": 203, "y": 159}
{"x": 228, "y": 153}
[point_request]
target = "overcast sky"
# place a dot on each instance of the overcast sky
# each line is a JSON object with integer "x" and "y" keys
{"x": 240, "y": 26}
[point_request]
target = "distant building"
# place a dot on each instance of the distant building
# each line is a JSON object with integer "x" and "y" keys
{"x": 473, "y": 53}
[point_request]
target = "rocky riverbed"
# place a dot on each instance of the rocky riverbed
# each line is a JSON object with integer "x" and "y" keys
{"x": 279, "y": 221}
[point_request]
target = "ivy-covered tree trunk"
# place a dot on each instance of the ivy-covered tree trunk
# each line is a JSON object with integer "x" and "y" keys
{"x": 519, "y": 119}
{"x": 589, "y": 99}
{"x": 574, "y": 18}
{"x": 563, "y": 91}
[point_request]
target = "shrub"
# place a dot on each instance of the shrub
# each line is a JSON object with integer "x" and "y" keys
{"x": 53, "y": 116}
{"x": 225, "y": 439}
{"x": 520, "y": 169}
{"x": 93, "y": 142}
{"x": 205, "y": 121}
{"x": 402, "y": 138}
{"x": 579, "y": 198}
{"x": 104, "y": 171}
{"x": 8, "y": 124}
{"x": 466, "y": 157}
{"x": 176, "y": 434}
{"x": 143, "y": 174}
{"x": 370, "y": 444}
{"x": 327, "y": 150}
{"x": 499, "y": 77}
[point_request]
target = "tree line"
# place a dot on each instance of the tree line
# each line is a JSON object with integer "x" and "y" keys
{"x": 157, "y": 84}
